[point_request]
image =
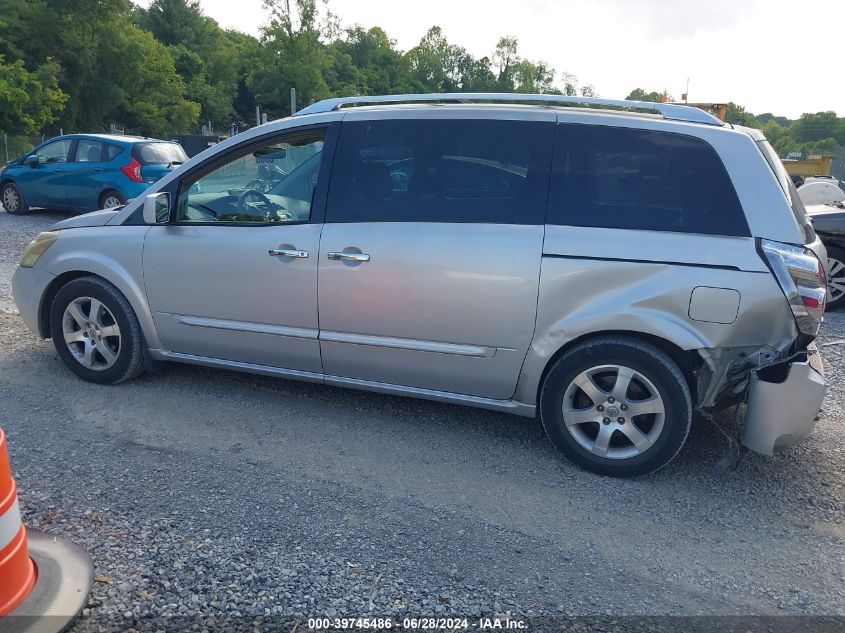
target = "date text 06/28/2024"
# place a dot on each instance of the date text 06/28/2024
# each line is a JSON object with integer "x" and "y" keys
{"x": 425, "y": 624}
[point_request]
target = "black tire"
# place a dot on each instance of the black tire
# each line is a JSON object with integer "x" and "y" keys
{"x": 110, "y": 193}
{"x": 10, "y": 192}
{"x": 652, "y": 366}
{"x": 129, "y": 350}
{"x": 836, "y": 265}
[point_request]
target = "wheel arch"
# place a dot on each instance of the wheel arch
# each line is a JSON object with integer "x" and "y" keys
{"x": 686, "y": 359}
{"x": 50, "y": 293}
{"x": 133, "y": 295}
{"x": 106, "y": 188}
{"x": 11, "y": 181}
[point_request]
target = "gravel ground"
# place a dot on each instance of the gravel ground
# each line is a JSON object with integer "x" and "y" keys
{"x": 208, "y": 497}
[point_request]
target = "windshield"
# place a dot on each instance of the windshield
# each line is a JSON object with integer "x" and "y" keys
{"x": 789, "y": 189}
{"x": 159, "y": 153}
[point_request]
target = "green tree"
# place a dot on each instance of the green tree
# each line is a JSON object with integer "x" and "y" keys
{"x": 292, "y": 56}
{"x": 205, "y": 57}
{"x": 815, "y": 126}
{"x": 140, "y": 88}
{"x": 29, "y": 100}
{"x": 738, "y": 115}
{"x": 365, "y": 61}
{"x": 638, "y": 94}
{"x": 112, "y": 71}
{"x": 434, "y": 63}
{"x": 248, "y": 50}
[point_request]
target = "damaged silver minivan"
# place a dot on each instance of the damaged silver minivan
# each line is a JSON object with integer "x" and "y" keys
{"x": 610, "y": 266}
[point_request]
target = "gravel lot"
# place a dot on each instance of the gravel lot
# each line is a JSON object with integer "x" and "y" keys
{"x": 208, "y": 496}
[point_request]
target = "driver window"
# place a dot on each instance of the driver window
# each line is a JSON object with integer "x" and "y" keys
{"x": 272, "y": 183}
{"x": 55, "y": 152}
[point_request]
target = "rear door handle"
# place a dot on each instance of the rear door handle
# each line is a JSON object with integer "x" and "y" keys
{"x": 350, "y": 257}
{"x": 287, "y": 252}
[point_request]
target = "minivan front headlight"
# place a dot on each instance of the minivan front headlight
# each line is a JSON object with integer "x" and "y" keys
{"x": 37, "y": 247}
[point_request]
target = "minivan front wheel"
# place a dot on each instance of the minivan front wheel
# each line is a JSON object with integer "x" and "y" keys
{"x": 12, "y": 199}
{"x": 96, "y": 332}
{"x": 616, "y": 406}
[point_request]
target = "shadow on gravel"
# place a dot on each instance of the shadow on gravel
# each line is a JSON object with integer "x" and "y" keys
{"x": 498, "y": 465}
{"x": 38, "y": 212}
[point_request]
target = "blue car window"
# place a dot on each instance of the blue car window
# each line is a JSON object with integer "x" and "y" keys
{"x": 88, "y": 151}
{"x": 113, "y": 151}
{"x": 55, "y": 152}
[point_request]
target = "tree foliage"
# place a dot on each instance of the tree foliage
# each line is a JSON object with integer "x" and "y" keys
{"x": 29, "y": 100}
{"x": 812, "y": 133}
{"x": 166, "y": 68}
{"x": 204, "y": 55}
{"x": 638, "y": 94}
{"x": 111, "y": 70}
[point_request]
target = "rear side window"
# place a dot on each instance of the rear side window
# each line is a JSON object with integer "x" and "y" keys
{"x": 88, "y": 151}
{"x": 487, "y": 171}
{"x": 612, "y": 177}
{"x": 113, "y": 151}
{"x": 159, "y": 153}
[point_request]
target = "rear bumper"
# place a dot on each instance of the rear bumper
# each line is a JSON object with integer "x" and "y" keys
{"x": 783, "y": 403}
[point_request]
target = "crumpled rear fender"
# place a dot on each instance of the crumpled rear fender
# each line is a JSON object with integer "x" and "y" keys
{"x": 581, "y": 298}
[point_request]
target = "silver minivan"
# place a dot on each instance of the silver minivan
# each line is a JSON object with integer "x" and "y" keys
{"x": 611, "y": 267}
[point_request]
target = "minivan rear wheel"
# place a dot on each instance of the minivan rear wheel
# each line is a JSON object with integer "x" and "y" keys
{"x": 616, "y": 406}
{"x": 95, "y": 331}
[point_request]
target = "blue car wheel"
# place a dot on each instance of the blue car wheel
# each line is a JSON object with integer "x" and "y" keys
{"x": 13, "y": 200}
{"x": 110, "y": 198}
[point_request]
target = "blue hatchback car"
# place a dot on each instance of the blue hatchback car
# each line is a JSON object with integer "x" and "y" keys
{"x": 86, "y": 172}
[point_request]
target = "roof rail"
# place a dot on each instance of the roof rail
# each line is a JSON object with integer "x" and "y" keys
{"x": 671, "y": 111}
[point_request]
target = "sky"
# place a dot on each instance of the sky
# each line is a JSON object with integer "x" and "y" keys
{"x": 767, "y": 55}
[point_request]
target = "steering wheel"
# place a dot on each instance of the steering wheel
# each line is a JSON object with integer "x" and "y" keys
{"x": 244, "y": 203}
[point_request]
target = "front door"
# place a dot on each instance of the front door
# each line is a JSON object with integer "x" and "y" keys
{"x": 43, "y": 184}
{"x": 234, "y": 275}
{"x": 430, "y": 256}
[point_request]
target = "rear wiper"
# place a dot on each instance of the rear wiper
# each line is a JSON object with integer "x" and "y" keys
{"x": 175, "y": 162}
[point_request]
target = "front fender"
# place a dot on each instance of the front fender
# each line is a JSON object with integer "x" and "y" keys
{"x": 117, "y": 259}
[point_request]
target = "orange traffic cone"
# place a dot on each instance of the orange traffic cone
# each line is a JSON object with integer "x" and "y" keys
{"x": 44, "y": 580}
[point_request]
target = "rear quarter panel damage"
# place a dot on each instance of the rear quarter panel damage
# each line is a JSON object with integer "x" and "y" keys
{"x": 646, "y": 289}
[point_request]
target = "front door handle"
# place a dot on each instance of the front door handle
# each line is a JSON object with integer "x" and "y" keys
{"x": 350, "y": 257}
{"x": 287, "y": 252}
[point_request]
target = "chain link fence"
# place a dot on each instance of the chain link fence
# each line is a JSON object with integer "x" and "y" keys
{"x": 14, "y": 146}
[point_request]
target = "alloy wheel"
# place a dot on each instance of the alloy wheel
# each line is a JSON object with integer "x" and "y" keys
{"x": 111, "y": 201}
{"x": 11, "y": 199}
{"x": 836, "y": 279}
{"x": 613, "y": 411}
{"x": 91, "y": 333}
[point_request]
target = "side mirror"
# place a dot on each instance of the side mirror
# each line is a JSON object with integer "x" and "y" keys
{"x": 157, "y": 208}
{"x": 32, "y": 160}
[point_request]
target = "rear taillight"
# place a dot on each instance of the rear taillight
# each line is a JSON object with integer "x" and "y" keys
{"x": 802, "y": 278}
{"x": 133, "y": 170}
